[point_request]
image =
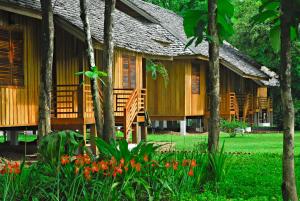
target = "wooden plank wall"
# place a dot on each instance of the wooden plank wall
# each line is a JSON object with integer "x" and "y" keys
{"x": 195, "y": 103}
{"x": 168, "y": 101}
{"x": 19, "y": 105}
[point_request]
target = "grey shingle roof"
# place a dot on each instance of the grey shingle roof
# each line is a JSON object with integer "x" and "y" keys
{"x": 165, "y": 38}
{"x": 174, "y": 23}
{"x": 130, "y": 33}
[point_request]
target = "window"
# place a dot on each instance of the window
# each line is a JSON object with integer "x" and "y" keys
{"x": 129, "y": 72}
{"x": 11, "y": 57}
{"x": 195, "y": 79}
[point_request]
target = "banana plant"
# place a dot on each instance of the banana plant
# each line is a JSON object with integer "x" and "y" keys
{"x": 157, "y": 69}
{"x": 94, "y": 73}
{"x": 196, "y": 21}
{"x": 269, "y": 12}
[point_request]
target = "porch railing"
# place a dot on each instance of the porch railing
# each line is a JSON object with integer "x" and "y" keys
{"x": 68, "y": 101}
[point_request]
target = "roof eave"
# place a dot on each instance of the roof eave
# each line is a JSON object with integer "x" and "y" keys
{"x": 20, "y": 10}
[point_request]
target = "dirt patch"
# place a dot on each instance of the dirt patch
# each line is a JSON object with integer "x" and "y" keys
{"x": 17, "y": 153}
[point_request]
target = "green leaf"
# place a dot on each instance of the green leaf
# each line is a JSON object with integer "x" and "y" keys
{"x": 190, "y": 42}
{"x": 190, "y": 22}
{"x": 275, "y": 38}
{"x": 294, "y": 34}
{"x": 265, "y": 16}
{"x": 270, "y": 5}
{"x": 225, "y": 7}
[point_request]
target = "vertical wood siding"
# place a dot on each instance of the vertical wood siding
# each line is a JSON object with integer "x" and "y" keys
{"x": 19, "y": 105}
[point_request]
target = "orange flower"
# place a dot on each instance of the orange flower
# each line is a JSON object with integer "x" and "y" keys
{"x": 126, "y": 168}
{"x": 95, "y": 167}
{"x": 79, "y": 160}
{"x": 193, "y": 163}
{"x": 185, "y": 162}
{"x": 103, "y": 165}
{"x": 76, "y": 170}
{"x": 191, "y": 172}
{"x": 167, "y": 165}
{"x": 65, "y": 160}
{"x": 146, "y": 159}
{"x": 132, "y": 163}
{"x": 175, "y": 165}
{"x": 86, "y": 159}
{"x": 87, "y": 173}
{"x": 122, "y": 161}
{"x": 113, "y": 161}
{"x": 154, "y": 163}
{"x": 138, "y": 167}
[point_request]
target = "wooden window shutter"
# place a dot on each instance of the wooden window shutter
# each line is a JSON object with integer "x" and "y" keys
{"x": 195, "y": 79}
{"x": 5, "y": 69}
{"x": 17, "y": 54}
{"x": 129, "y": 71}
{"x": 11, "y": 58}
{"x": 132, "y": 72}
{"x": 125, "y": 71}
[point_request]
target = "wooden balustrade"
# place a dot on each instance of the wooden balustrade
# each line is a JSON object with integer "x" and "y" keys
{"x": 65, "y": 101}
{"x": 76, "y": 101}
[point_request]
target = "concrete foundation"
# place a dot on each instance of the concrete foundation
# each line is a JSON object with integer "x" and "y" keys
{"x": 183, "y": 127}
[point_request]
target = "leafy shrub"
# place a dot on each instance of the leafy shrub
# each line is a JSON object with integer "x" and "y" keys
{"x": 56, "y": 144}
{"x": 117, "y": 173}
{"x": 230, "y": 126}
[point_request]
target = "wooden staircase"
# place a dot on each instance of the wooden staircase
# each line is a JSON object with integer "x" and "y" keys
{"x": 72, "y": 106}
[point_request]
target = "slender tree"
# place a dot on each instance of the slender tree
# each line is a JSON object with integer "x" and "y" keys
{"x": 44, "y": 126}
{"x": 92, "y": 66}
{"x": 210, "y": 20}
{"x": 109, "y": 119}
{"x": 214, "y": 78}
{"x": 289, "y": 191}
{"x": 284, "y": 15}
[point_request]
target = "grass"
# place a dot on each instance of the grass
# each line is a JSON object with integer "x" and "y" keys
{"x": 22, "y": 138}
{"x": 256, "y": 176}
{"x": 252, "y": 143}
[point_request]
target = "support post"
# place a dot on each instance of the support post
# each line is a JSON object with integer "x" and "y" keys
{"x": 144, "y": 133}
{"x": 136, "y": 134}
{"x": 13, "y": 138}
{"x": 93, "y": 135}
{"x": 165, "y": 124}
{"x": 183, "y": 126}
{"x": 82, "y": 131}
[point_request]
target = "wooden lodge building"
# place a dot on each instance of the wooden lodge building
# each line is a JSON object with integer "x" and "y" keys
{"x": 142, "y": 31}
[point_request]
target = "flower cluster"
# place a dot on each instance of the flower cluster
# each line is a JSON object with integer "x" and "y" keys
{"x": 10, "y": 168}
{"x": 113, "y": 167}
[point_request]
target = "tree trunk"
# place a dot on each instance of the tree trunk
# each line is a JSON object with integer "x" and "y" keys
{"x": 289, "y": 191}
{"x": 91, "y": 62}
{"x": 109, "y": 118}
{"x": 44, "y": 126}
{"x": 214, "y": 78}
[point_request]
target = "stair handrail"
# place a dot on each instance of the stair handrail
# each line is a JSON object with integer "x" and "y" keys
{"x": 131, "y": 111}
{"x": 246, "y": 107}
{"x": 234, "y": 104}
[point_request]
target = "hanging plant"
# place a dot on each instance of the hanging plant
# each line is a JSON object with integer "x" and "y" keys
{"x": 156, "y": 69}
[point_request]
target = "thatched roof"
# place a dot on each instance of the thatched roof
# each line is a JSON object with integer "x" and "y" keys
{"x": 159, "y": 33}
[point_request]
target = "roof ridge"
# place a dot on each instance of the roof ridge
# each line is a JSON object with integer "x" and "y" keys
{"x": 192, "y": 49}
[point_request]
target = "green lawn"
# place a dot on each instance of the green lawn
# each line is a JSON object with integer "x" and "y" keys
{"x": 254, "y": 143}
{"x": 255, "y": 177}
{"x": 22, "y": 138}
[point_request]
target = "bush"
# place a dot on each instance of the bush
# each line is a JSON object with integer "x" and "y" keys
{"x": 230, "y": 126}
{"x": 117, "y": 173}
